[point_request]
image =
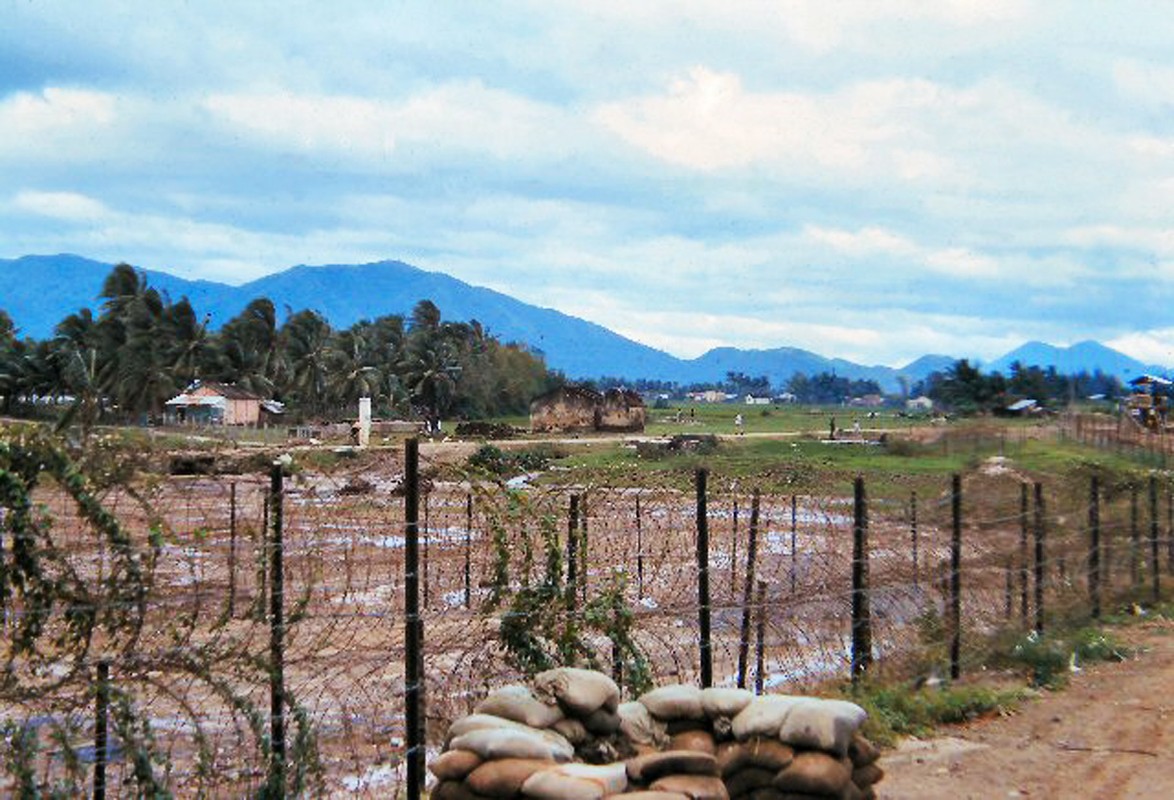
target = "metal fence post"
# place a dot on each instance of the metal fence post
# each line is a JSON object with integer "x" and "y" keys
{"x": 747, "y": 593}
{"x": 1134, "y": 538}
{"x": 1094, "y": 546}
{"x": 703, "y": 579}
{"x": 101, "y": 715}
{"x": 1039, "y": 557}
{"x": 572, "y": 552}
{"x": 760, "y": 640}
{"x": 1024, "y": 554}
{"x": 1156, "y": 577}
{"x": 794, "y": 541}
{"x": 232, "y": 550}
{"x": 861, "y": 613}
{"x": 956, "y": 578}
{"x": 913, "y": 539}
{"x": 276, "y": 782}
{"x": 413, "y": 630}
{"x": 639, "y": 552}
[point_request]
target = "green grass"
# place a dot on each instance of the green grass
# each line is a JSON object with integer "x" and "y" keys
{"x": 899, "y": 710}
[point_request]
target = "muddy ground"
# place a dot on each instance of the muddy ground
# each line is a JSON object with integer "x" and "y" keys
{"x": 1110, "y": 734}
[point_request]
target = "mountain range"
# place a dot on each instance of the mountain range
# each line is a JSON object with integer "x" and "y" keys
{"x": 38, "y": 291}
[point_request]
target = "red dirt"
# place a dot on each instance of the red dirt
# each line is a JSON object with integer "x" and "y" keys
{"x": 1110, "y": 734}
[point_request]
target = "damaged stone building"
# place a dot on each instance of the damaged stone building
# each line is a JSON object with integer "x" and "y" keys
{"x": 577, "y": 409}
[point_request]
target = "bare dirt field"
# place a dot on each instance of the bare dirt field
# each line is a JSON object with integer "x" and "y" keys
{"x": 1110, "y": 734}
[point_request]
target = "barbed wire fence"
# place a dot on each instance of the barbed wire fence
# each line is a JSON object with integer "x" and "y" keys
{"x": 311, "y": 632}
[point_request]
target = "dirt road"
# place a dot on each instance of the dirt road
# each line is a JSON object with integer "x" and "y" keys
{"x": 1110, "y": 734}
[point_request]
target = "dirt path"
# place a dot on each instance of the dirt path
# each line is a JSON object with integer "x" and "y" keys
{"x": 1110, "y": 734}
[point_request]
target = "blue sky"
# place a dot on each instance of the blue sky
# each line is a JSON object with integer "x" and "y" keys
{"x": 873, "y": 180}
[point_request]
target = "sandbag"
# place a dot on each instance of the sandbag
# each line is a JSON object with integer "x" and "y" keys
{"x": 577, "y": 782}
{"x": 476, "y": 722}
{"x": 867, "y": 775}
{"x": 647, "y": 794}
{"x": 519, "y": 704}
{"x": 813, "y": 772}
{"x": 578, "y": 691}
{"x": 695, "y": 787}
{"x": 506, "y": 743}
{"x": 699, "y": 740}
{"x": 602, "y": 722}
{"x": 676, "y": 702}
{"x": 454, "y": 765}
{"x": 647, "y": 768}
{"x": 748, "y": 779}
{"x": 454, "y": 790}
{"x": 639, "y": 726}
{"x": 572, "y": 730}
{"x": 731, "y": 757}
{"x": 504, "y": 777}
{"x": 822, "y": 725}
{"x": 763, "y": 716}
{"x": 862, "y": 752}
{"x": 723, "y": 702}
{"x": 768, "y": 754}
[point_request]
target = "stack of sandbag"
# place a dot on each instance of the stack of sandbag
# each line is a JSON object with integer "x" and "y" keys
{"x": 798, "y": 747}
{"x": 521, "y": 742}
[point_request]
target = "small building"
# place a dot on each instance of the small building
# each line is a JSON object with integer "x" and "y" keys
{"x": 919, "y": 404}
{"x": 211, "y": 403}
{"x": 867, "y": 401}
{"x": 577, "y": 409}
{"x": 751, "y": 400}
{"x": 1022, "y": 408}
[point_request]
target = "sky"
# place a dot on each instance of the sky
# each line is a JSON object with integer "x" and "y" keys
{"x": 867, "y": 179}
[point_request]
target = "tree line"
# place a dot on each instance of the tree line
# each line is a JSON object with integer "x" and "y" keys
{"x": 965, "y": 389}
{"x": 142, "y": 348}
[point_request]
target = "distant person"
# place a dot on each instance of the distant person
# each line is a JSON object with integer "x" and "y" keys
{"x": 738, "y": 423}
{"x": 832, "y": 429}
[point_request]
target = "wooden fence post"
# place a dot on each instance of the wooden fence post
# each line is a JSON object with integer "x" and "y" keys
{"x": 747, "y": 594}
{"x": 861, "y": 612}
{"x": 703, "y": 609}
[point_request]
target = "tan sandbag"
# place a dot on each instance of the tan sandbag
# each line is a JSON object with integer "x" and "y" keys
{"x": 572, "y": 730}
{"x": 578, "y": 691}
{"x": 862, "y": 752}
{"x": 577, "y": 782}
{"x": 675, "y": 726}
{"x": 731, "y": 757}
{"x": 504, "y": 777}
{"x": 748, "y": 779}
{"x": 647, "y": 768}
{"x": 768, "y": 754}
{"x": 602, "y": 722}
{"x": 719, "y": 702}
{"x": 519, "y": 704}
{"x": 476, "y": 722}
{"x": 639, "y": 727}
{"x": 698, "y": 740}
{"x": 770, "y": 793}
{"x": 454, "y": 790}
{"x": 764, "y": 716}
{"x": 454, "y": 765}
{"x": 813, "y": 772}
{"x": 695, "y": 787}
{"x": 822, "y": 725}
{"x": 647, "y": 794}
{"x": 676, "y": 702}
{"x": 507, "y": 743}
{"x": 549, "y": 785}
{"x": 867, "y": 775}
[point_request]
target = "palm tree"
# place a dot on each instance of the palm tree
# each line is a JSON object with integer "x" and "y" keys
{"x": 304, "y": 339}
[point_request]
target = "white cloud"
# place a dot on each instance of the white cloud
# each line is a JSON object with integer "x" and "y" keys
{"x": 464, "y": 116}
{"x": 52, "y": 109}
{"x": 1150, "y": 346}
{"x": 65, "y": 206}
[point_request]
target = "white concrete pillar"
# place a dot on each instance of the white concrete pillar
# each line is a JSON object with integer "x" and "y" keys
{"x": 364, "y": 421}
